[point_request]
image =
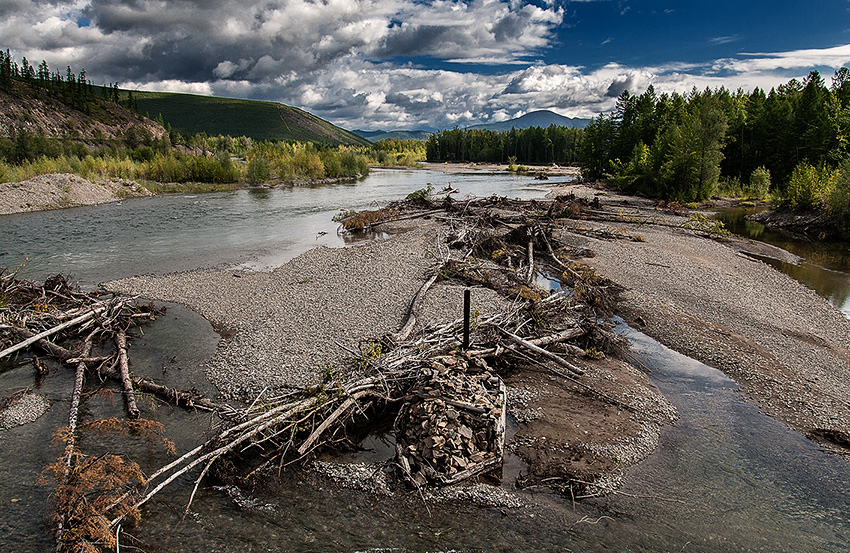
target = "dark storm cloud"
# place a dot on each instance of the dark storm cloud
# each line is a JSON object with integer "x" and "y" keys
{"x": 421, "y": 39}
{"x": 511, "y": 26}
{"x": 412, "y": 104}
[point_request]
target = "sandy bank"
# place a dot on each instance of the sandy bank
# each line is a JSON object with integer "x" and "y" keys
{"x": 63, "y": 190}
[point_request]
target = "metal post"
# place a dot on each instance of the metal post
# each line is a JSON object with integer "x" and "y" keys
{"x": 466, "y": 301}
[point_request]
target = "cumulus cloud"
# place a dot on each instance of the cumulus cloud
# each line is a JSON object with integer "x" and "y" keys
{"x": 363, "y": 63}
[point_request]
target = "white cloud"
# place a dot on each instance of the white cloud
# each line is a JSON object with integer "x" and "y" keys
{"x": 338, "y": 58}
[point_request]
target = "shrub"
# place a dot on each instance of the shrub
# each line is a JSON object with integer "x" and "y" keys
{"x": 258, "y": 170}
{"x": 759, "y": 183}
{"x": 809, "y": 186}
{"x": 838, "y": 202}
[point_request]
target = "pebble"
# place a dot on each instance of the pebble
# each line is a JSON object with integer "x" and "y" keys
{"x": 27, "y": 408}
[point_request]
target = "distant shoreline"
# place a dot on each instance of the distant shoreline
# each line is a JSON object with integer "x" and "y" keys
{"x": 64, "y": 190}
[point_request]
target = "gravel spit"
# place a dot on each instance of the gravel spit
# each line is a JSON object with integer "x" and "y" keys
{"x": 785, "y": 345}
{"x": 285, "y": 326}
{"x": 63, "y": 190}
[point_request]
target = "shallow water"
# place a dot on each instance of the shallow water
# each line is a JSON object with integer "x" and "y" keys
{"x": 255, "y": 229}
{"x": 725, "y": 477}
{"x": 824, "y": 266}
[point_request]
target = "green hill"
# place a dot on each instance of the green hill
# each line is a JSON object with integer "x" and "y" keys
{"x": 191, "y": 114}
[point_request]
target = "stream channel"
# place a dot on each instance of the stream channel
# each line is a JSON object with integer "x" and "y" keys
{"x": 725, "y": 477}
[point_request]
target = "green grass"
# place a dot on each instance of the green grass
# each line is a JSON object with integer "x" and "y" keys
{"x": 191, "y": 114}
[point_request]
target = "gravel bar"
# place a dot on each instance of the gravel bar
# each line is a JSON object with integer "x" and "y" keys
{"x": 282, "y": 328}
{"x": 785, "y": 345}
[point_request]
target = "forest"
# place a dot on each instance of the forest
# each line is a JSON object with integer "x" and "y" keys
{"x": 791, "y": 143}
{"x": 534, "y": 145}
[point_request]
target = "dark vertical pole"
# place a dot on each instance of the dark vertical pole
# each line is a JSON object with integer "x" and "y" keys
{"x": 466, "y": 299}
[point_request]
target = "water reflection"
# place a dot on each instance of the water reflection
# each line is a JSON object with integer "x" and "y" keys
{"x": 825, "y": 267}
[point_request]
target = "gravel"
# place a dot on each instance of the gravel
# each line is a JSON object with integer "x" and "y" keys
{"x": 63, "y": 190}
{"x": 287, "y": 325}
{"x": 27, "y": 408}
{"x": 785, "y": 345}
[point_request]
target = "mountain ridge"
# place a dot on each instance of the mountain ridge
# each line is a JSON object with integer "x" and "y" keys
{"x": 539, "y": 118}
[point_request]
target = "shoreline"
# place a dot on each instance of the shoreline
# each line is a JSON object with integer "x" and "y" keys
{"x": 787, "y": 347}
{"x": 66, "y": 190}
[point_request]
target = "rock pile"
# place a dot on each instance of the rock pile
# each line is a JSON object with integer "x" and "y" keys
{"x": 452, "y": 426}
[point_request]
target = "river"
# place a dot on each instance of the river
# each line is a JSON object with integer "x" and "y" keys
{"x": 724, "y": 478}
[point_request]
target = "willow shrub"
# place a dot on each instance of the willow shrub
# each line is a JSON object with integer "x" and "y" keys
{"x": 759, "y": 183}
{"x": 810, "y": 187}
{"x": 838, "y": 202}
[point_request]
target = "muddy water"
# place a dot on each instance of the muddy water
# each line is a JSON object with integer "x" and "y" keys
{"x": 725, "y": 477}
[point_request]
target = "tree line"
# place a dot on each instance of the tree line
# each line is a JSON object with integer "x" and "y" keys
{"x": 683, "y": 147}
{"x": 534, "y": 145}
{"x": 75, "y": 88}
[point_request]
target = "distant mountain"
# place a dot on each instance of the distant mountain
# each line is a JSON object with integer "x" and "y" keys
{"x": 377, "y": 136}
{"x": 191, "y": 114}
{"x": 541, "y": 118}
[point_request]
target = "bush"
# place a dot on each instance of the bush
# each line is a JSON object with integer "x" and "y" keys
{"x": 759, "y": 183}
{"x": 809, "y": 186}
{"x": 838, "y": 202}
{"x": 258, "y": 170}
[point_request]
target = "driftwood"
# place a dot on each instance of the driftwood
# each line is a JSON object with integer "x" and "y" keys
{"x": 295, "y": 426}
{"x": 187, "y": 400}
{"x": 72, "y": 427}
{"x": 410, "y": 323}
{"x": 124, "y": 371}
{"x": 540, "y": 351}
{"x": 58, "y": 328}
{"x": 47, "y": 346}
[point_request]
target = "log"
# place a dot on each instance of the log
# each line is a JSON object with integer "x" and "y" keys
{"x": 540, "y": 351}
{"x": 316, "y": 434}
{"x": 55, "y": 350}
{"x": 49, "y": 332}
{"x": 75, "y": 360}
{"x": 558, "y": 261}
{"x": 402, "y": 334}
{"x": 181, "y": 399}
{"x": 562, "y": 336}
{"x": 124, "y": 371}
{"x": 72, "y": 426}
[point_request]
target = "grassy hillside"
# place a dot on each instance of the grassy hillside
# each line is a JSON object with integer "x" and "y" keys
{"x": 190, "y": 114}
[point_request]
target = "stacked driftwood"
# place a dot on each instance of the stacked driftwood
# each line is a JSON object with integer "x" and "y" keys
{"x": 55, "y": 320}
{"x": 452, "y": 426}
{"x": 52, "y": 325}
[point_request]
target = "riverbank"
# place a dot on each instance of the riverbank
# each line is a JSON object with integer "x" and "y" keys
{"x": 64, "y": 190}
{"x": 702, "y": 296}
{"x": 786, "y": 347}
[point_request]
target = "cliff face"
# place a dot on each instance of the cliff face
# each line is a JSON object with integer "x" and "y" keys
{"x": 32, "y": 109}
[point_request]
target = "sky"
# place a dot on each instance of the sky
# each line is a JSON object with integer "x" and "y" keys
{"x": 430, "y": 64}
